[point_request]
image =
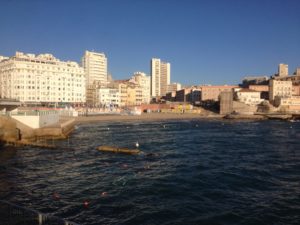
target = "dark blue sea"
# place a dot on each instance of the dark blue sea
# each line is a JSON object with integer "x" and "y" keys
{"x": 192, "y": 172}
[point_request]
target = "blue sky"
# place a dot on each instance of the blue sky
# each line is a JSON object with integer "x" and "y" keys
{"x": 206, "y": 42}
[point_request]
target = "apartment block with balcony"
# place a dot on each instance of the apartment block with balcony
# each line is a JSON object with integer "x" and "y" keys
{"x": 41, "y": 78}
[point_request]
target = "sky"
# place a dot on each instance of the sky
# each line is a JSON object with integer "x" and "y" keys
{"x": 206, "y": 41}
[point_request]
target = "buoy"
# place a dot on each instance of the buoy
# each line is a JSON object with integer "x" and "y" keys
{"x": 164, "y": 126}
{"x": 104, "y": 193}
{"x": 147, "y": 167}
{"x": 137, "y": 145}
{"x": 108, "y": 128}
{"x": 56, "y": 196}
{"x": 85, "y": 204}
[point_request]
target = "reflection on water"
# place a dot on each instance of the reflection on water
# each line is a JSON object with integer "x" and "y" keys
{"x": 198, "y": 172}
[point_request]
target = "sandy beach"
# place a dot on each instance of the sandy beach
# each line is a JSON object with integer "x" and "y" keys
{"x": 145, "y": 117}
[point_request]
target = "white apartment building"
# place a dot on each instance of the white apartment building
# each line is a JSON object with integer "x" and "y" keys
{"x": 41, "y": 78}
{"x": 160, "y": 77}
{"x": 143, "y": 81}
{"x": 279, "y": 88}
{"x": 249, "y": 97}
{"x": 108, "y": 97}
{"x": 95, "y": 67}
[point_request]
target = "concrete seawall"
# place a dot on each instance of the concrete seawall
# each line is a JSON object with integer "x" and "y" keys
{"x": 14, "y": 131}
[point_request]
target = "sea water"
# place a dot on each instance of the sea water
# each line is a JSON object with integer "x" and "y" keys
{"x": 190, "y": 172}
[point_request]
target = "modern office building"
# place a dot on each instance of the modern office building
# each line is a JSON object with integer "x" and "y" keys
{"x": 95, "y": 67}
{"x": 143, "y": 81}
{"x": 41, "y": 78}
{"x": 160, "y": 77}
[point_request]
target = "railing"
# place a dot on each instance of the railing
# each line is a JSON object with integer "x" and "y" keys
{"x": 13, "y": 214}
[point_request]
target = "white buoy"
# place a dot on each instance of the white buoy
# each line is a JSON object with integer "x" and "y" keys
{"x": 137, "y": 145}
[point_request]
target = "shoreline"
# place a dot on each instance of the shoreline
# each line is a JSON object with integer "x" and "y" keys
{"x": 144, "y": 117}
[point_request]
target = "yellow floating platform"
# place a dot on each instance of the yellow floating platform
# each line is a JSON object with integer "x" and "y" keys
{"x": 118, "y": 150}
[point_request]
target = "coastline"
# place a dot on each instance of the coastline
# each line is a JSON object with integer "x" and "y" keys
{"x": 145, "y": 117}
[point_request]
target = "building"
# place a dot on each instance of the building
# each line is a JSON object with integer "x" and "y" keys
{"x": 296, "y": 90}
{"x": 95, "y": 67}
{"x": 255, "y": 80}
{"x": 283, "y": 70}
{"x": 3, "y": 57}
{"x": 171, "y": 96}
{"x": 143, "y": 81}
{"x": 160, "y": 77}
{"x": 107, "y": 97}
{"x": 295, "y": 79}
{"x": 195, "y": 95}
{"x": 263, "y": 89}
{"x": 297, "y": 72}
{"x": 130, "y": 93}
{"x": 248, "y": 96}
{"x": 226, "y": 102}
{"x": 183, "y": 95}
{"x": 279, "y": 88}
{"x": 173, "y": 87}
{"x": 41, "y": 78}
{"x": 213, "y": 92}
{"x": 288, "y": 104}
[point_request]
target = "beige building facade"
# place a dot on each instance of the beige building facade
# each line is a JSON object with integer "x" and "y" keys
{"x": 213, "y": 92}
{"x": 279, "y": 88}
{"x": 283, "y": 70}
{"x": 173, "y": 87}
{"x": 41, "y": 78}
{"x": 160, "y": 77}
{"x": 130, "y": 93}
{"x": 143, "y": 81}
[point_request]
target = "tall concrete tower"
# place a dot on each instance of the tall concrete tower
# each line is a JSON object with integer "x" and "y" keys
{"x": 283, "y": 70}
{"x": 95, "y": 67}
{"x": 160, "y": 77}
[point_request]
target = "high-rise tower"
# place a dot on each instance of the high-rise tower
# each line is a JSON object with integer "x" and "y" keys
{"x": 95, "y": 67}
{"x": 160, "y": 77}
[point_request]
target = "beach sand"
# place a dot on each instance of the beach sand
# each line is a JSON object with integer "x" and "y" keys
{"x": 145, "y": 117}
